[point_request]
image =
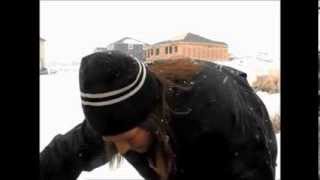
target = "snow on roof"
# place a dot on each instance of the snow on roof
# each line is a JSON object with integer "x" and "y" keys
{"x": 132, "y": 41}
{"x": 128, "y": 40}
{"x": 179, "y": 37}
{"x": 190, "y": 37}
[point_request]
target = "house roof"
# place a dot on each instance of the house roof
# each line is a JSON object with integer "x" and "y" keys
{"x": 42, "y": 39}
{"x": 129, "y": 40}
{"x": 190, "y": 37}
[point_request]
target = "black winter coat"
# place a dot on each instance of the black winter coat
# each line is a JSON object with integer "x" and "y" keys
{"x": 222, "y": 131}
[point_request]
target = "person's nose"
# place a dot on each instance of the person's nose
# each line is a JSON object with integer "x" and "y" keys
{"x": 122, "y": 147}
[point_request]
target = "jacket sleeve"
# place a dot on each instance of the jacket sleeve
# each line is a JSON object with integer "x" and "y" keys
{"x": 66, "y": 156}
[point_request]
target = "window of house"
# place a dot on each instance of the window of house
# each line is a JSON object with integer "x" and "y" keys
{"x": 151, "y": 52}
{"x": 157, "y": 51}
{"x": 166, "y": 50}
{"x": 175, "y": 49}
{"x": 170, "y": 49}
{"x": 148, "y": 53}
{"x": 130, "y": 46}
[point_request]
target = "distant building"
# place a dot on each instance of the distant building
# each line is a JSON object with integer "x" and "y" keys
{"x": 188, "y": 45}
{"x": 129, "y": 46}
{"x": 42, "y": 53}
{"x": 100, "y": 49}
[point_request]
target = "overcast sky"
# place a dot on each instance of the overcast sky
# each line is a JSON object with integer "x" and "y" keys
{"x": 74, "y": 29}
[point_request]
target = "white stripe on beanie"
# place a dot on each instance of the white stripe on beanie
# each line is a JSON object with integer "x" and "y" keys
{"x": 142, "y": 69}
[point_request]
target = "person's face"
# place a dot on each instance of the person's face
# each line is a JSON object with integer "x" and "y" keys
{"x": 136, "y": 139}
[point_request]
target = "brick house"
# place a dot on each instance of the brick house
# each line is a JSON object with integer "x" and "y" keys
{"x": 188, "y": 45}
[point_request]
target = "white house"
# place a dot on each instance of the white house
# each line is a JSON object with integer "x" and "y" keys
{"x": 42, "y": 53}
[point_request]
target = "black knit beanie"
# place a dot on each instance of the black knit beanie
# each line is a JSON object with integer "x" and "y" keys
{"x": 117, "y": 91}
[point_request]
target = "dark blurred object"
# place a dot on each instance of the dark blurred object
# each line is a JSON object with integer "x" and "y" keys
{"x": 47, "y": 71}
{"x": 43, "y": 71}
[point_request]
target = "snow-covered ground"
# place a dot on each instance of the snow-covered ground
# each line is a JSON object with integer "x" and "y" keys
{"x": 272, "y": 102}
{"x": 60, "y": 110}
{"x": 253, "y": 65}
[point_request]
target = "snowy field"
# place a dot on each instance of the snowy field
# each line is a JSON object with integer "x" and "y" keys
{"x": 60, "y": 110}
